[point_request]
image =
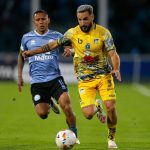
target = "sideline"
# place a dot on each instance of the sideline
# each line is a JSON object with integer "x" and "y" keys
{"x": 142, "y": 89}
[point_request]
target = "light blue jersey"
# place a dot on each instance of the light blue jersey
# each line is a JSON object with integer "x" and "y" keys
{"x": 42, "y": 67}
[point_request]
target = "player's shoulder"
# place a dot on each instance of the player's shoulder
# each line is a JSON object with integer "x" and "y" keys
{"x": 53, "y": 32}
{"x": 101, "y": 28}
{"x": 29, "y": 34}
{"x": 74, "y": 30}
{"x": 103, "y": 31}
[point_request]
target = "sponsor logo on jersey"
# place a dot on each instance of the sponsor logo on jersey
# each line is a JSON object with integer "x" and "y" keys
{"x": 80, "y": 41}
{"x": 112, "y": 95}
{"x": 82, "y": 91}
{"x": 33, "y": 42}
{"x": 43, "y": 57}
{"x": 96, "y": 41}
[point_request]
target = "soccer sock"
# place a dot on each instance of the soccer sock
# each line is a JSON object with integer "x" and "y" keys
{"x": 111, "y": 129}
{"x": 74, "y": 129}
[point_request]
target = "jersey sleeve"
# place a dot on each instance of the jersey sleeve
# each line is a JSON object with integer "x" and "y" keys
{"x": 69, "y": 34}
{"x": 23, "y": 45}
{"x": 60, "y": 35}
{"x": 108, "y": 41}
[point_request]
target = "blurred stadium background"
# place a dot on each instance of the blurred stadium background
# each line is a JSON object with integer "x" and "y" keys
{"x": 127, "y": 20}
{"x": 129, "y": 23}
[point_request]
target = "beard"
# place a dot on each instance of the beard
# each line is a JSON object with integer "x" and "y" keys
{"x": 86, "y": 28}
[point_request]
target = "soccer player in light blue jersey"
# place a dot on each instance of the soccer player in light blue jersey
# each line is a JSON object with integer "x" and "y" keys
{"x": 45, "y": 76}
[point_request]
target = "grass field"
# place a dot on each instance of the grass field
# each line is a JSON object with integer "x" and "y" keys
{"x": 22, "y": 129}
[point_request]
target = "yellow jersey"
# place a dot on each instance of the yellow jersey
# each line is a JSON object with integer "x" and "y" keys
{"x": 90, "y": 58}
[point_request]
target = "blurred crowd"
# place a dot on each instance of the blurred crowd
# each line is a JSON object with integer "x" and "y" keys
{"x": 129, "y": 21}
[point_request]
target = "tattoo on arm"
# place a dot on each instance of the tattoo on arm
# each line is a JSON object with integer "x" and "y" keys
{"x": 45, "y": 48}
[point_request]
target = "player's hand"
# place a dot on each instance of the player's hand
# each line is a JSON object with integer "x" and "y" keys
{"x": 117, "y": 74}
{"x": 68, "y": 51}
{"x": 26, "y": 54}
{"x": 64, "y": 41}
{"x": 20, "y": 83}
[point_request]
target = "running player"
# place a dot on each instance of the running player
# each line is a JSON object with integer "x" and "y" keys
{"x": 93, "y": 50}
{"x": 46, "y": 79}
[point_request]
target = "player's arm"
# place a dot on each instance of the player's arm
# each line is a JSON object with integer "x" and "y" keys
{"x": 115, "y": 59}
{"x": 68, "y": 51}
{"x": 20, "y": 66}
{"x": 48, "y": 47}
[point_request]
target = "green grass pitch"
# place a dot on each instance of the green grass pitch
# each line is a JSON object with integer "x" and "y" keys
{"x": 22, "y": 129}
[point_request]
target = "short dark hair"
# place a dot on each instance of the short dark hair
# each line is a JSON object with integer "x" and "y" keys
{"x": 83, "y": 8}
{"x": 40, "y": 11}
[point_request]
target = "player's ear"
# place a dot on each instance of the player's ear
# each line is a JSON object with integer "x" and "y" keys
{"x": 33, "y": 21}
{"x": 93, "y": 17}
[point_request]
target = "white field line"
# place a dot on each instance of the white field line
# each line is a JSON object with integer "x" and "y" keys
{"x": 142, "y": 89}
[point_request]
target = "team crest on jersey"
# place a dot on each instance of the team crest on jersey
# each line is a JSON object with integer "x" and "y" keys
{"x": 33, "y": 42}
{"x": 96, "y": 41}
{"x": 80, "y": 41}
{"x": 82, "y": 91}
{"x": 37, "y": 97}
{"x": 87, "y": 46}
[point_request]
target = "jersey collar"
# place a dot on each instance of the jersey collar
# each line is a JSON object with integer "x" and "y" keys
{"x": 41, "y": 34}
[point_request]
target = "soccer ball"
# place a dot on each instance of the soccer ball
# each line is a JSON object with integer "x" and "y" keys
{"x": 65, "y": 139}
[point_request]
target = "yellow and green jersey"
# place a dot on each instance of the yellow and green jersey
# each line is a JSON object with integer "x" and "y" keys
{"x": 90, "y": 59}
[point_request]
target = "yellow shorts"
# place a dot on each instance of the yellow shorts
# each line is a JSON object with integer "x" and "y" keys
{"x": 104, "y": 86}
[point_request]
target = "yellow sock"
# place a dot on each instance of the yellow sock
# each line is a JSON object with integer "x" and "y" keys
{"x": 111, "y": 129}
{"x": 111, "y": 133}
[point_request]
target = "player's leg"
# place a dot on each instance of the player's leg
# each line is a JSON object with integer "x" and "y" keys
{"x": 101, "y": 113}
{"x": 111, "y": 122}
{"x": 61, "y": 94}
{"x": 54, "y": 106}
{"x": 65, "y": 104}
{"x": 42, "y": 109}
{"x": 41, "y": 100}
{"x": 108, "y": 95}
{"x": 87, "y": 92}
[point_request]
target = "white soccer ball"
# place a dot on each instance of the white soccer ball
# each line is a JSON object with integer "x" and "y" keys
{"x": 65, "y": 139}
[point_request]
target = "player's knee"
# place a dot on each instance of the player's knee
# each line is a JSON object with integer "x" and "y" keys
{"x": 110, "y": 107}
{"x": 42, "y": 114}
{"x": 88, "y": 116}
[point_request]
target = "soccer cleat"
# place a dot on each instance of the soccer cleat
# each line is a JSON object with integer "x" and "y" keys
{"x": 77, "y": 141}
{"x": 54, "y": 106}
{"x": 112, "y": 144}
{"x": 100, "y": 114}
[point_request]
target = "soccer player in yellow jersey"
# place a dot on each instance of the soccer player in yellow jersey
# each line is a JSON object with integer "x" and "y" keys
{"x": 95, "y": 63}
{"x": 94, "y": 49}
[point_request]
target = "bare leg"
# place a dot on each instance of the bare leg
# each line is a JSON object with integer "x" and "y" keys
{"x": 42, "y": 109}
{"x": 89, "y": 111}
{"x": 65, "y": 104}
{"x": 111, "y": 112}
